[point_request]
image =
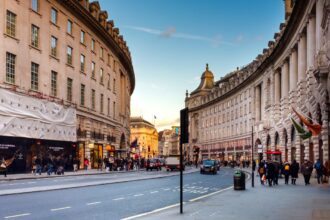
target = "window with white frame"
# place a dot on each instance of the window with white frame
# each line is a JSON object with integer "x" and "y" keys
{"x": 34, "y": 76}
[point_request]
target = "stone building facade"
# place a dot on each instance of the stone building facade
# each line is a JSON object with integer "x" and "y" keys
{"x": 292, "y": 72}
{"x": 147, "y": 137}
{"x": 170, "y": 141}
{"x": 67, "y": 52}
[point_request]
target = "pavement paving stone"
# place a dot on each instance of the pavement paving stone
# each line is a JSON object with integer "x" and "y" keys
{"x": 297, "y": 202}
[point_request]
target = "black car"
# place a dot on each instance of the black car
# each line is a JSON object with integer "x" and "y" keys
{"x": 209, "y": 166}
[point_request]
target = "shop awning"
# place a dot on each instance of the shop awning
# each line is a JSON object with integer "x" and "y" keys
{"x": 273, "y": 152}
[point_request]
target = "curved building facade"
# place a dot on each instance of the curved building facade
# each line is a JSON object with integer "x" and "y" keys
{"x": 145, "y": 136}
{"x": 293, "y": 72}
{"x": 72, "y": 71}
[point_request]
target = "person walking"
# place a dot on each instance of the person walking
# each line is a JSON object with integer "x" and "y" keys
{"x": 326, "y": 171}
{"x": 270, "y": 170}
{"x": 38, "y": 164}
{"x": 86, "y": 163}
{"x": 294, "y": 169}
{"x": 319, "y": 171}
{"x": 286, "y": 172}
{"x": 99, "y": 164}
{"x": 261, "y": 171}
{"x": 3, "y": 167}
{"x": 276, "y": 171}
{"x": 306, "y": 170}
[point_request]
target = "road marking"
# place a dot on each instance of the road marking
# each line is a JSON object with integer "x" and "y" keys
{"x": 154, "y": 192}
{"x": 194, "y": 213}
{"x": 138, "y": 195}
{"x": 210, "y": 194}
{"x": 58, "y": 209}
{"x": 16, "y": 216}
{"x": 31, "y": 182}
{"x": 214, "y": 213}
{"x": 121, "y": 198}
{"x": 154, "y": 211}
{"x": 167, "y": 189}
{"x": 93, "y": 203}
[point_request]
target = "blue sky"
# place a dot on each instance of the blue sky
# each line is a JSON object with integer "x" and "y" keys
{"x": 172, "y": 40}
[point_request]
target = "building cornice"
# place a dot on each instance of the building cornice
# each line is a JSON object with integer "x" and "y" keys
{"x": 87, "y": 18}
{"x": 280, "y": 47}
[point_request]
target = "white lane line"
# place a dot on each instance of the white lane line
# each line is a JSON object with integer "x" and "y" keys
{"x": 31, "y": 182}
{"x": 138, "y": 195}
{"x": 62, "y": 208}
{"x": 210, "y": 194}
{"x": 194, "y": 213}
{"x": 154, "y": 192}
{"x": 121, "y": 198}
{"x": 93, "y": 203}
{"x": 214, "y": 213}
{"x": 167, "y": 189}
{"x": 16, "y": 216}
{"x": 154, "y": 211}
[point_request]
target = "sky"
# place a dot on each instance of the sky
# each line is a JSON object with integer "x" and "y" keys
{"x": 172, "y": 40}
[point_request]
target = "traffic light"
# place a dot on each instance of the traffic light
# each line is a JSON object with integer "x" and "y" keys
{"x": 184, "y": 123}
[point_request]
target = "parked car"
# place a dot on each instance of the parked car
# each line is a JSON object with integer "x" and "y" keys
{"x": 209, "y": 166}
{"x": 151, "y": 164}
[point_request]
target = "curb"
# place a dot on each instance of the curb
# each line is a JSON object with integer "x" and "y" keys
{"x": 61, "y": 187}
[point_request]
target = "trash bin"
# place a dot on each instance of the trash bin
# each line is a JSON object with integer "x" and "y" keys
{"x": 239, "y": 180}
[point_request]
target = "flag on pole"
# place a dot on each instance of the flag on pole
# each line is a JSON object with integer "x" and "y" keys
{"x": 314, "y": 128}
{"x": 301, "y": 131}
{"x": 134, "y": 143}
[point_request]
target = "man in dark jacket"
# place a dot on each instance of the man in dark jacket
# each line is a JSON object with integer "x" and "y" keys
{"x": 294, "y": 169}
{"x": 306, "y": 170}
{"x": 319, "y": 171}
{"x": 270, "y": 172}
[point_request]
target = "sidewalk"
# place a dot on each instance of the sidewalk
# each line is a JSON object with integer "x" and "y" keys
{"x": 283, "y": 202}
{"x": 25, "y": 176}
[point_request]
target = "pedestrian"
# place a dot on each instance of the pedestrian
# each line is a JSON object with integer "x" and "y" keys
{"x": 75, "y": 164}
{"x": 261, "y": 171}
{"x": 294, "y": 169}
{"x": 326, "y": 171}
{"x": 38, "y": 166}
{"x": 306, "y": 170}
{"x": 3, "y": 167}
{"x": 276, "y": 172}
{"x": 319, "y": 171}
{"x": 99, "y": 164}
{"x": 286, "y": 172}
{"x": 270, "y": 172}
{"x": 86, "y": 163}
{"x": 50, "y": 167}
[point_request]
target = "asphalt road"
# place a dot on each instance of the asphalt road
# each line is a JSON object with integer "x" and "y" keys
{"x": 112, "y": 201}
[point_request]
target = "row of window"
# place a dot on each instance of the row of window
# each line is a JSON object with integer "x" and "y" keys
{"x": 10, "y": 78}
{"x": 225, "y": 132}
{"x": 226, "y": 105}
{"x": 35, "y": 40}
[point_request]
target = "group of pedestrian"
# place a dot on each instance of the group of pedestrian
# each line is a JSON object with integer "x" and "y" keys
{"x": 50, "y": 165}
{"x": 270, "y": 171}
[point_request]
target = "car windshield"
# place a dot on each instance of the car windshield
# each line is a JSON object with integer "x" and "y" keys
{"x": 208, "y": 162}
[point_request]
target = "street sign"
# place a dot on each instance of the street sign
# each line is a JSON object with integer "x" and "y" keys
{"x": 260, "y": 148}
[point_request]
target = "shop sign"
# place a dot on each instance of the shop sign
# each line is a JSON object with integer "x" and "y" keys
{"x": 56, "y": 148}
{"x": 260, "y": 148}
{"x": 7, "y": 146}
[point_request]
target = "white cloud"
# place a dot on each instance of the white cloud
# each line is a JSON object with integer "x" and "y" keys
{"x": 171, "y": 32}
{"x": 239, "y": 38}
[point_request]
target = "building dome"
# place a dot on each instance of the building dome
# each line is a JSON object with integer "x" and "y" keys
{"x": 207, "y": 81}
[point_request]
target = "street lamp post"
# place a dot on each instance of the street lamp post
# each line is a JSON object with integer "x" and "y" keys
{"x": 252, "y": 146}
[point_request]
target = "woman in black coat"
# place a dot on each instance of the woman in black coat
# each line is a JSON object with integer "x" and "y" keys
{"x": 294, "y": 169}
